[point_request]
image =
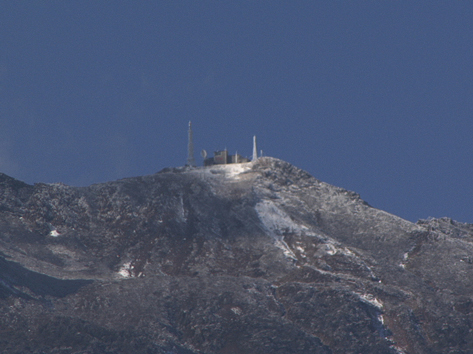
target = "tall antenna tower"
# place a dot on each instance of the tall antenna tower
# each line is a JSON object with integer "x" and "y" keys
{"x": 255, "y": 150}
{"x": 190, "y": 148}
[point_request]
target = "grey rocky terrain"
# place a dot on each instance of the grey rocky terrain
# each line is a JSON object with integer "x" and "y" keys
{"x": 258, "y": 257}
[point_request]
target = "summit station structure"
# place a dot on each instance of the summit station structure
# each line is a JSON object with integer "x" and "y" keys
{"x": 221, "y": 157}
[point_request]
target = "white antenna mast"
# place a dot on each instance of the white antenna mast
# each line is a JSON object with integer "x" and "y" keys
{"x": 190, "y": 148}
{"x": 255, "y": 150}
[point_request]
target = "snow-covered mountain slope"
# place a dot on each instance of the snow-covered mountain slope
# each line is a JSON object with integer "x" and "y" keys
{"x": 249, "y": 258}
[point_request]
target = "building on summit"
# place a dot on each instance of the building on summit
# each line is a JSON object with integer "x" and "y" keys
{"x": 221, "y": 157}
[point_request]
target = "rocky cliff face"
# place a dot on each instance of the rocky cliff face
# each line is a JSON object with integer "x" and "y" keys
{"x": 251, "y": 258}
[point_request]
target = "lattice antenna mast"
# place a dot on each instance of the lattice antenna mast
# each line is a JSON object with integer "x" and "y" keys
{"x": 255, "y": 150}
{"x": 190, "y": 148}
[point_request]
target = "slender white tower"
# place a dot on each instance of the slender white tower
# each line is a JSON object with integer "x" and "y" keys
{"x": 255, "y": 150}
{"x": 190, "y": 148}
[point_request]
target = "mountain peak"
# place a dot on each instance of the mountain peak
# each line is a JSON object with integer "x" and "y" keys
{"x": 236, "y": 258}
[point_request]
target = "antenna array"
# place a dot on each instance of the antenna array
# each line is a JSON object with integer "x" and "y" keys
{"x": 190, "y": 148}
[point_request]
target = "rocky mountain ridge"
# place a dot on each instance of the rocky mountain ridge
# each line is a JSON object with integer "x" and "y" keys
{"x": 258, "y": 257}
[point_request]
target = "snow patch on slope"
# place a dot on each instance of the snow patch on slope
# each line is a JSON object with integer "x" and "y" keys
{"x": 372, "y": 300}
{"x": 54, "y": 233}
{"x": 126, "y": 270}
{"x": 229, "y": 171}
{"x": 276, "y": 220}
{"x": 234, "y": 170}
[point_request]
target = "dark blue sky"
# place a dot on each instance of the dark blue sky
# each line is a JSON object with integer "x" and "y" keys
{"x": 375, "y": 97}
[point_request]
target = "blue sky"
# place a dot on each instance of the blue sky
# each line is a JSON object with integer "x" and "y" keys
{"x": 375, "y": 97}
